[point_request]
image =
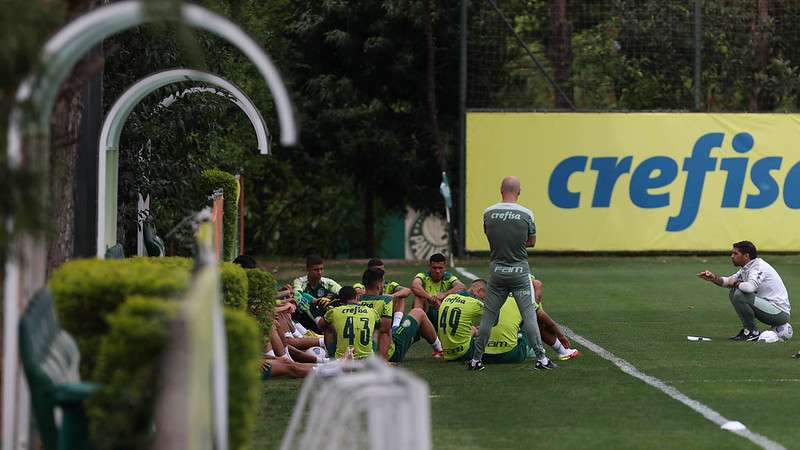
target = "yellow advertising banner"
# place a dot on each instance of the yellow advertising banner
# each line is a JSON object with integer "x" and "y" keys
{"x": 640, "y": 181}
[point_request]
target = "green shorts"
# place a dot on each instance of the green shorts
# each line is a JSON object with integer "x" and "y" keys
{"x": 467, "y": 355}
{"x": 405, "y": 335}
{"x": 433, "y": 316}
{"x": 517, "y": 354}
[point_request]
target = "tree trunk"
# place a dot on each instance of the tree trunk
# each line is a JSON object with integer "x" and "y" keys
{"x": 761, "y": 39}
{"x": 65, "y": 126}
{"x": 560, "y": 51}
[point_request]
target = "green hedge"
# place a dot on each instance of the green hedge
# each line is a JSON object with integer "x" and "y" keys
{"x": 234, "y": 285}
{"x": 244, "y": 357}
{"x": 261, "y": 299}
{"x": 217, "y": 179}
{"x": 86, "y": 291}
{"x": 122, "y": 411}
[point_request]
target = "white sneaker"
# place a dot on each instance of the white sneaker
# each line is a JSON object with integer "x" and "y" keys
{"x": 572, "y": 353}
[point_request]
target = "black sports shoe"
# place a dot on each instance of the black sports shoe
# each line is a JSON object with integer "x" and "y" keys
{"x": 746, "y": 335}
{"x": 540, "y": 366}
{"x": 476, "y": 366}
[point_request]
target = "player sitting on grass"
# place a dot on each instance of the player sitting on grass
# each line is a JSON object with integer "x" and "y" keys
{"x": 458, "y": 315}
{"x": 431, "y": 287}
{"x": 309, "y": 290}
{"x": 551, "y": 333}
{"x": 394, "y": 343}
{"x": 756, "y": 292}
{"x": 391, "y": 288}
{"x": 353, "y": 326}
{"x": 508, "y": 344}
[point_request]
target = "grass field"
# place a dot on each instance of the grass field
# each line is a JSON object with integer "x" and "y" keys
{"x": 639, "y": 308}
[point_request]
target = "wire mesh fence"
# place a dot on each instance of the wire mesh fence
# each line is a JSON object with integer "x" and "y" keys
{"x": 705, "y": 55}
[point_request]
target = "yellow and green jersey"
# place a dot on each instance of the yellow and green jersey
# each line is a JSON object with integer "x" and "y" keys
{"x": 355, "y": 325}
{"x": 389, "y": 287}
{"x": 384, "y": 306}
{"x": 435, "y": 287}
{"x": 457, "y": 314}
{"x": 325, "y": 287}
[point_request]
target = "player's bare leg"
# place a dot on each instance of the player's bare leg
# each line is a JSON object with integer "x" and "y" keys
{"x": 427, "y": 331}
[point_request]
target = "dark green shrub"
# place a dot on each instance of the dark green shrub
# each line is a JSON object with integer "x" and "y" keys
{"x": 234, "y": 285}
{"x": 86, "y": 291}
{"x": 261, "y": 299}
{"x": 217, "y": 179}
{"x": 244, "y": 356}
{"x": 128, "y": 367}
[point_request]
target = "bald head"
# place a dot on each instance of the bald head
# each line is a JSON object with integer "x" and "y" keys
{"x": 509, "y": 188}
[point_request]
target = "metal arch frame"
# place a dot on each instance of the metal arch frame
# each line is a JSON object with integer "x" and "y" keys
{"x": 29, "y": 125}
{"x": 108, "y": 149}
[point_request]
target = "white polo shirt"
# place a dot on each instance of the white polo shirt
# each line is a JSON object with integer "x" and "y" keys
{"x": 759, "y": 278}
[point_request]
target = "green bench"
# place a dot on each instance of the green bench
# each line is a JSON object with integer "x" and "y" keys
{"x": 51, "y": 360}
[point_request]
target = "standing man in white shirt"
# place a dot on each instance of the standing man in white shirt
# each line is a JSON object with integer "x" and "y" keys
{"x": 756, "y": 292}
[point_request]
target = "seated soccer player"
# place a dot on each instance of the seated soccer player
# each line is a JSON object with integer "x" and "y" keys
{"x": 458, "y": 315}
{"x": 551, "y": 333}
{"x": 393, "y": 343}
{"x": 431, "y": 287}
{"x": 308, "y": 290}
{"x": 353, "y": 326}
{"x": 508, "y": 344}
{"x": 391, "y": 288}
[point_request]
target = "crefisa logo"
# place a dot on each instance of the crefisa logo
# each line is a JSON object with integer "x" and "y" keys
{"x": 659, "y": 171}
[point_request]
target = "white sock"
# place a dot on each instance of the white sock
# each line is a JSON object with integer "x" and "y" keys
{"x": 559, "y": 347}
{"x": 270, "y": 353}
{"x": 437, "y": 345}
{"x": 322, "y": 342}
{"x": 300, "y": 328}
{"x": 396, "y": 318}
{"x": 287, "y": 357}
{"x": 288, "y": 334}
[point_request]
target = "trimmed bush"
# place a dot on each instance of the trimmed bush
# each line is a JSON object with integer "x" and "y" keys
{"x": 128, "y": 367}
{"x": 244, "y": 357}
{"x": 86, "y": 291}
{"x": 234, "y": 285}
{"x": 261, "y": 299}
{"x": 217, "y": 179}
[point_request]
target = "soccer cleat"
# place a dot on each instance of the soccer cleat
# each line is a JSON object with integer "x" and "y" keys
{"x": 573, "y": 353}
{"x": 475, "y": 366}
{"x": 437, "y": 354}
{"x": 746, "y": 335}
{"x": 541, "y": 366}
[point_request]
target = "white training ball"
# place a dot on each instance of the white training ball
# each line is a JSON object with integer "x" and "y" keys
{"x": 784, "y": 331}
{"x": 319, "y": 352}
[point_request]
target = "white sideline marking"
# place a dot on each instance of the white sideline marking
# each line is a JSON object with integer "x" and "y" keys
{"x": 628, "y": 368}
{"x": 466, "y": 273}
{"x": 705, "y": 411}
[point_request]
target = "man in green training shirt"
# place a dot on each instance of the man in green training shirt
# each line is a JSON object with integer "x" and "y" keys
{"x": 393, "y": 343}
{"x": 353, "y": 325}
{"x": 458, "y": 315}
{"x": 308, "y": 290}
{"x": 510, "y": 229}
{"x": 391, "y": 288}
{"x": 431, "y": 287}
